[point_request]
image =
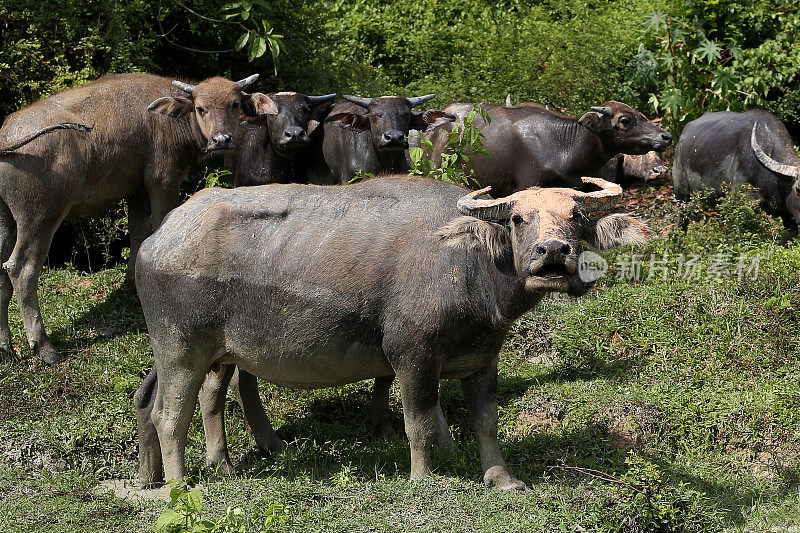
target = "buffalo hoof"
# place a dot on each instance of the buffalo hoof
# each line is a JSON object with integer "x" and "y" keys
{"x": 499, "y": 477}
{"x": 275, "y": 445}
{"x": 8, "y": 356}
{"x": 50, "y": 355}
{"x": 223, "y": 468}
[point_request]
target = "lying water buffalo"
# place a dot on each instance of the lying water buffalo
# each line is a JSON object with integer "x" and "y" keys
{"x": 624, "y": 168}
{"x": 310, "y": 286}
{"x": 752, "y": 147}
{"x": 371, "y": 134}
{"x": 147, "y": 131}
{"x": 531, "y": 145}
{"x": 276, "y": 146}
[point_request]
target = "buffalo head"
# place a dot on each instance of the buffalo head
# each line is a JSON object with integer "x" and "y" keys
{"x": 291, "y": 118}
{"x": 542, "y": 228}
{"x": 389, "y": 119}
{"x": 214, "y": 104}
{"x": 627, "y": 130}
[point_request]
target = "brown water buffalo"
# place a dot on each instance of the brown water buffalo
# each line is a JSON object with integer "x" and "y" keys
{"x": 530, "y": 145}
{"x": 309, "y": 286}
{"x": 752, "y": 147}
{"x": 624, "y": 168}
{"x": 147, "y": 132}
{"x": 371, "y": 134}
{"x": 276, "y": 147}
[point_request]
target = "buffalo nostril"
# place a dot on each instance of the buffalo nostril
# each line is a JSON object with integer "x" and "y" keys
{"x": 540, "y": 250}
{"x": 666, "y": 136}
{"x": 566, "y": 249}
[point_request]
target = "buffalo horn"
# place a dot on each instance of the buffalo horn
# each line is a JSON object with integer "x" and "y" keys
{"x": 363, "y": 102}
{"x": 603, "y": 110}
{"x": 775, "y": 166}
{"x": 319, "y": 99}
{"x": 185, "y": 87}
{"x": 492, "y": 210}
{"x": 607, "y": 197}
{"x": 419, "y": 100}
{"x": 249, "y": 80}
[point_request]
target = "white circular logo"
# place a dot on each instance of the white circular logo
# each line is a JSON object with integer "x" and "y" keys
{"x": 591, "y": 267}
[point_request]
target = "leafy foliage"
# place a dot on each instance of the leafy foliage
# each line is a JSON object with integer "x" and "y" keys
{"x": 716, "y": 55}
{"x": 463, "y": 142}
{"x": 185, "y": 514}
{"x": 258, "y": 35}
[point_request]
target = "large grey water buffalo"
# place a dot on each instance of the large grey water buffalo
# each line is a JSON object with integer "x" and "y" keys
{"x": 276, "y": 146}
{"x": 309, "y": 286}
{"x": 530, "y": 145}
{"x": 371, "y": 134}
{"x": 624, "y": 168}
{"x": 146, "y": 133}
{"x": 752, "y": 147}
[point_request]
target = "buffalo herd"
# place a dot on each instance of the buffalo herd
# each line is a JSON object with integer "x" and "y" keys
{"x": 299, "y": 278}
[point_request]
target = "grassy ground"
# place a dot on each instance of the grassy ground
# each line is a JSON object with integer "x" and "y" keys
{"x": 651, "y": 405}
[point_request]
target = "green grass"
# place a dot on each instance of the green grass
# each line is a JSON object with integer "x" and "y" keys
{"x": 651, "y": 405}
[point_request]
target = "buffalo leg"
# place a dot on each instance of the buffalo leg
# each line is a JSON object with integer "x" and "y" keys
{"x": 23, "y": 268}
{"x": 175, "y": 401}
{"x": 150, "y": 468}
{"x": 165, "y": 195}
{"x": 7, "y": 238}
{"x": 212, "y": 406}
{"x": 480, "y": 394}
{"x": 380, "y": 414}
{"x": 139, "y": 229}
{"x": 419, "y": 391}
{"x": 250, "y": 401}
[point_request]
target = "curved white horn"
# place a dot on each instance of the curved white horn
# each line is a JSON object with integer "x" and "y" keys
{"x": 779, "y": 168}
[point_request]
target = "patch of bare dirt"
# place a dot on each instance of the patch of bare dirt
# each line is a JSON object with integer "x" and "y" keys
{"x": 542, "y": 415}
{"x": 631, "y": 424}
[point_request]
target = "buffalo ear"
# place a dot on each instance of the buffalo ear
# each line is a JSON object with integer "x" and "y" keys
{"x": 351, "y": 121}
{"x": 257, "y": 104}
{"x": 595, "y": 122}
{"x": 430, "y": 119}
{"x": 171, "y": 106}
{"x": 619, "y": 230}
{"x": 317, "y": 115}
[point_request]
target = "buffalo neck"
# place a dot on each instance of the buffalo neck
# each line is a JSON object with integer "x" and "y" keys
{"x": 391, "y": 161}
{"x": 584, "y": 151}
{"x": 510, "y": 298}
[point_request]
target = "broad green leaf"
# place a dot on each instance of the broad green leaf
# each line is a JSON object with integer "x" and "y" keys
{"x": 708, "y": 51}
{"x": 242, "y": 41}
{"x": 656, "y": 20}
{"x": 723, "y": 80}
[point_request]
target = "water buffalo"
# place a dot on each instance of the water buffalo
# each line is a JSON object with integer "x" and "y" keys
{"x": 530, "y": 145}
{"x": 371, "y": 134}
{"x": 147, "y": 131}
{"x": 309, "y": 286}
{"x": 752, "y": 147}
{"x": 276, "y": 146}
{"x": 624, "y": 168}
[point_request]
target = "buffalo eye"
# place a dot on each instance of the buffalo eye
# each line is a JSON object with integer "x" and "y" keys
{"x": 304, "y": 108}
{"x": 377, "y": 114}
{"x": 235, "y": 105}
{"x": 625, "y": 121}
{"x": 516, "y": 219}
{"x": 200, "y": 110}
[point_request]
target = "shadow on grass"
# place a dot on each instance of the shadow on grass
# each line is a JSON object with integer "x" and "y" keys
{"x": 117, "y": 315}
